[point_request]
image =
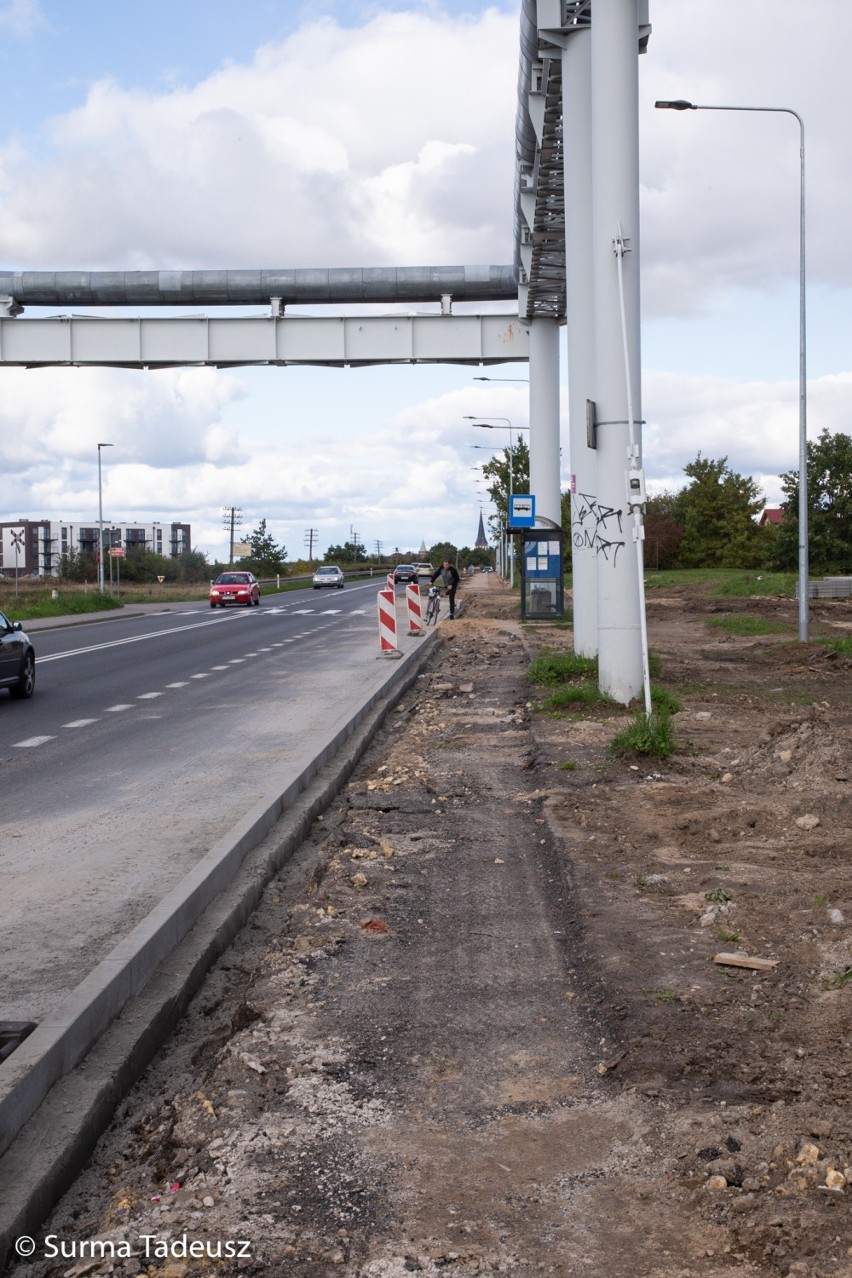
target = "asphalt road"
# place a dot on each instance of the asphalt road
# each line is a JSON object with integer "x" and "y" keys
{"x": 147, "y": 739}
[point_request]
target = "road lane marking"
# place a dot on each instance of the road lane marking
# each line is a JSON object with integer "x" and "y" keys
{"x": 30, "y": 742}
{"x": 117, "y": 643}
{"x": 148, "y": 696}
{"x": 206, "y": 675}
{"x": 181, "y": 683}
{"x": 172, "y": 685}
{"x": 79, "y": 723}
{"x": 115, "y": 709}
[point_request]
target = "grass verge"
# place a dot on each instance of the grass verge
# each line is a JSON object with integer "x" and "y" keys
{"x": 745, "y": 626}
{"x": 647, "y": 735}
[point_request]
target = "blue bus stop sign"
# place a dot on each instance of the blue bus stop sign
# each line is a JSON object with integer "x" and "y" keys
{"x": 522, "y": 510}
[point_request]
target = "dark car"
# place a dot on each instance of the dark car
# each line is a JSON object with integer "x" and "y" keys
{"x": 17, "y": 659}
{"x": 404, "y": 572}
{"x": 235, "y": 588}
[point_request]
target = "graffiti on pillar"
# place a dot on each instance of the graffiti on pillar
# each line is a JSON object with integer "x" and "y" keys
{"x": 595, "y": 527}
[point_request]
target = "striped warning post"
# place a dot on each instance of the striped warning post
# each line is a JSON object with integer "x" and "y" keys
{"x": 387, "y": 621}
{"x": 415, "y": 610}
{"x": 390, "y": 582}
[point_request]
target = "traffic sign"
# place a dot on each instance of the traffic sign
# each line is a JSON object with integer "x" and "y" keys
{"x": 522, "y": 510}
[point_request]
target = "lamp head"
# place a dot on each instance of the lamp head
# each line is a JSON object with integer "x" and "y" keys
{"x": 680, "y": 104}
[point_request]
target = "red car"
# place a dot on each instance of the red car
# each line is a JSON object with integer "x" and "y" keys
{"x": 235, "y": 588}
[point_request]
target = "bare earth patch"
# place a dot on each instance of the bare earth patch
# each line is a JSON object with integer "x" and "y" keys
{"x": 487, "y": 1033}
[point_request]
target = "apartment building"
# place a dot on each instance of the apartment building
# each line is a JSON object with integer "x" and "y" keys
{"x": 34, "y": 547}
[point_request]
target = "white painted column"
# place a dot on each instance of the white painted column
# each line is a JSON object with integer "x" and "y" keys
{"x": 615, "y": 195}
{"x": 576, "y": 112}
{"x": 544, "y": 418}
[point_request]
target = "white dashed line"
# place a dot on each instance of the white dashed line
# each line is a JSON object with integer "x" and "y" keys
{"x": 31, "y": 741}
{"x": 115, "y": 709}
{"x": 237, "y": 661}
{"x": 212, "y": 668}
{"x": 79, "y": 723}
{"x": 148, "y": 696}
{"x": 181, "y": 683}
{"x": 200, "y": 676}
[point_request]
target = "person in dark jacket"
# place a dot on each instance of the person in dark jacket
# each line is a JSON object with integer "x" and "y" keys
{"x": 450, "y": 577}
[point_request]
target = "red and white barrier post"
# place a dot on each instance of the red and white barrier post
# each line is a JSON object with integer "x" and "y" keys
{"x": 387, "y": 621}
{"x": 415, "y": 609}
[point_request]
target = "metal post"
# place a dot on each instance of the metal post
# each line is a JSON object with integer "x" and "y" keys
{"x": 682, "y": 105}
{"x": 544, "y": 418}
{"x": 483, "y": 425}
{"x": 579, "y": 329}
{"x": 101, "y": 522}
{"x": 615, "y": 186}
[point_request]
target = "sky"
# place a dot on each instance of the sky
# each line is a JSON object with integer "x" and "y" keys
{"x": 210, "y": 134}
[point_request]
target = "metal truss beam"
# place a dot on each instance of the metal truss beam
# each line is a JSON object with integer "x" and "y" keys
{"x": 333, "y": 341}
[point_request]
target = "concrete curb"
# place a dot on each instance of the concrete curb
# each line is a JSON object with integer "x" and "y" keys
{"x": 53, "y": 1108}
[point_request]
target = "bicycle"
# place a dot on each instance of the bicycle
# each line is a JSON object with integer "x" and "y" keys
{"x": 433, "y": 607}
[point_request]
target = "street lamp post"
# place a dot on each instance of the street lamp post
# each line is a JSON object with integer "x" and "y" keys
{"x": 101, "y": 522}
{"x": 483, "y": 425}
{"x": 682, "y": 105}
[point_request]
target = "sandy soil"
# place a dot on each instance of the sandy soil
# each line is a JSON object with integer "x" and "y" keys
{"x": 488, "y": 1034}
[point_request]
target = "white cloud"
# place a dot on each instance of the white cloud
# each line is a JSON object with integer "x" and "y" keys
{"x": 21, "y": 18}
{"x": 721, "y": 188}
{"x": 755, "y": 425}
{"x": 392, "y": 141}
{"x": 324, "y": 151}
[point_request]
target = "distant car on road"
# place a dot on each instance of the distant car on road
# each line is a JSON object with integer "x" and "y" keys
{"x": 404, "y": 572}
{"x": 235, "y": 588}
{"x": 424, "y": 570}
{"x": 17, "y": 659}
{"x": 329, "y": 575}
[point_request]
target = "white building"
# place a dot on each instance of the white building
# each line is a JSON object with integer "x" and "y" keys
{"x": 35, "y": 547}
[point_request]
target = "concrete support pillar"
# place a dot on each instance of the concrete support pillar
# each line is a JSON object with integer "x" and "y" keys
{"x": 576, "y": 112}
{"x": 544, "y": 418}
{"x": 615, "y": 195}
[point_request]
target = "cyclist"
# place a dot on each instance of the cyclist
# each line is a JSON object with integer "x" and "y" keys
{"x": 450, "y": 577}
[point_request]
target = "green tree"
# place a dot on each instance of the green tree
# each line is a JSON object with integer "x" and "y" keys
{"x": 829, "y": 471}
{"x": 717, "y": 513}
{"x": 265, "y": 558}
{"x": 191, "y": 566}
{"x": 76, "y": 565}
{"x": 497, "y": 472}
{"x": 140, "y": 565}
{"x": 351, "y": 552}
{"x": 443, "y": 550}
{"x": 663, "y": 533}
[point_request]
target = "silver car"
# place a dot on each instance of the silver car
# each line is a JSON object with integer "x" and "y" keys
{"x": 329, "y": 575}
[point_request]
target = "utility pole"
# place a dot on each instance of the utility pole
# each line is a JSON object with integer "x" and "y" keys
{"x": 232, "y": 517}
{"x": 310, "y": 534}
{"x": 378, "y": 552}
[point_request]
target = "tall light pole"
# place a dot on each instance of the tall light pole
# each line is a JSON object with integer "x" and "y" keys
{"x": 682, "y": 105}
{"x": 101, "y": 522}
{"x": 484, "y": 425}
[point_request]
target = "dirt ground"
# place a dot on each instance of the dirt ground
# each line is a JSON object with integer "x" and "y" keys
{"x": 485, "y": 1032}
